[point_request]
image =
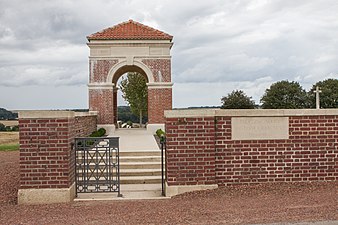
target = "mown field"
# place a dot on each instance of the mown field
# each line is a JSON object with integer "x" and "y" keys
{"x": 9, "y": 141}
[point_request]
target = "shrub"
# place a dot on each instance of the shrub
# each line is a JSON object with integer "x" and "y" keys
{"x": 99, "y": 133}
{"x": 15, "y": 128}
{"x": 102, "y": 131}
{"x": 160, "y": 133}
{"x": 95, "y": 134}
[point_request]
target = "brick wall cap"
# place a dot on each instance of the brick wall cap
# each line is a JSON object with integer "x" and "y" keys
{"x": 248, "y": 112}
{"x": 91, "y": 113}
{"x": 42, "y": 114}
{"x": 38, "y": 114}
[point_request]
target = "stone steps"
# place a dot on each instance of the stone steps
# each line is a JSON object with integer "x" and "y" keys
{"x": 140, "y": 167}
{"x": 140, "y": 153}
{"x": 140, "y": 179}
{"x": 139, "y": 159}
{"x": 140, "y": 172}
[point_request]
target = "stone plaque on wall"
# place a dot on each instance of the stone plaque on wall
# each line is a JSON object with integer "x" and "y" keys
{"x": 259, "y": 128}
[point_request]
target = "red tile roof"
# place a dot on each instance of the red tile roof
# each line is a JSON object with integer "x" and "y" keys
{"x": 130, "y": 30}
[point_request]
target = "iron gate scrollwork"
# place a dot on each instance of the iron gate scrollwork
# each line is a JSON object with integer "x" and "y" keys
{"x": 97, "y": 165}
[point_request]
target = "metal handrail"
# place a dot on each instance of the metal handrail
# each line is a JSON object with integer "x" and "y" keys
{"x": 163, "y": 146}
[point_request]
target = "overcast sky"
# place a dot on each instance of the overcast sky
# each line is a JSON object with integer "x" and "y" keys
{"x": 219, "y": 46}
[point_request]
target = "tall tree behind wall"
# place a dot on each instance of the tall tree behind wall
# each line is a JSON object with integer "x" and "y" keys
{"x": 285, "y": 95}
{"x": 328, "y": 96}
{"x": 134, "y": 91}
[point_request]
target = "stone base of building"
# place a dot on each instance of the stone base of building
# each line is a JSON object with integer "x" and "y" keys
{"x": 180, "y": 189}
{"x": 46, "y": 195}
{"x": 110, "y": 128}
{"x": 152, "y": 128}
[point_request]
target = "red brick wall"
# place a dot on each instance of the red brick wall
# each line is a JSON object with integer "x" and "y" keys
{"x": 85, "y": 125}
{"x": 102, "y": 102}
{"x": 115, "y": 107}
{"x": 163, "y": 65}
{"x": 190, "y": 155}
{"x": 45, "y": 153}
{"x": 200, "y": 151}
{"x": 46, "y": 156}
{"x": 158, "y": 101}
{"x": 99, "y": 70}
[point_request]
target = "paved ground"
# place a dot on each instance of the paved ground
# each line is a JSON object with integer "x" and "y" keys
{"x": 136, "y": 140}
{"x": 261, "y": 204}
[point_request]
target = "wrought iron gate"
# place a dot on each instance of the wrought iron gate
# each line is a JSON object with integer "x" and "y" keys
{"x": 97, "y": 165}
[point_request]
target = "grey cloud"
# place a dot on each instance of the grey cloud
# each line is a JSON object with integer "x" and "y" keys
{"x": 219, "y": 45}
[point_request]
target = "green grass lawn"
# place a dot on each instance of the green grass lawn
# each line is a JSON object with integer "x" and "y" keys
{"x": 11, "y": 147}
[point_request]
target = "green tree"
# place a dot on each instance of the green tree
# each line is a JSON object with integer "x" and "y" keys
{"x": 328, "y": 96}
{"x": 134, "y": 91}
{"x": 125, "y": 115}
{"x": 237, "y": 99}
{"x": 285, "y": 95}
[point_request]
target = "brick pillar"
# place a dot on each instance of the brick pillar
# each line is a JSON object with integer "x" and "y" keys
{"x": 47, "y": 162}
{"x": 159, "y": 100}
{"x": 101, "y": 100}
{"x": 115, "y": 106}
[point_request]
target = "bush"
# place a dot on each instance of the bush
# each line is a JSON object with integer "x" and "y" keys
{"x": 102, "y": 131}
{"x": 15, "y": 128}
{"x": 129, "y": 123}
{"x": 99, "y": 133}
{"x": 160, "y": 133}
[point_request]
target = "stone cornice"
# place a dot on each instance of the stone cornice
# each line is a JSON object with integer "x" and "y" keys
{"x": 109, "y": 86}
{"x": 160, "y": 85}
{"x": 248, "y": 112}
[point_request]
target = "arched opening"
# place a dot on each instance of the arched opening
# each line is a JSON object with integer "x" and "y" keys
{"x": 126, "y": 115}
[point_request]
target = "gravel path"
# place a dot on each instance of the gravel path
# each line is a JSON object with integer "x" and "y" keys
{"x": 230, "y": 205}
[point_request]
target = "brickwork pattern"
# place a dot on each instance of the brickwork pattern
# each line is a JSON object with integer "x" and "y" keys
{"x": 101, "y": 100}
{"x": 115, "y": 107}
{"x": 163, "y": 65}
{"x": 310, "y": 153}
{"x": 190, "y": 155}
{"x": 99, "y": 70}
{"x": 46, "y": 156}
{"x": 158, "y": 101}
{"x": 85, "y": 125}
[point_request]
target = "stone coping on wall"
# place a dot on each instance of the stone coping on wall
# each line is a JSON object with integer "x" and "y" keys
{"x": 184, "y": 113}
{"x": 155, "y": 85}
{"x": 42, "y": 114}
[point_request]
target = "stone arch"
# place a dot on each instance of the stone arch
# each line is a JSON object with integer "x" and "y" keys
{"x": 129, "y": 47}
{"x": 122, "y": 67}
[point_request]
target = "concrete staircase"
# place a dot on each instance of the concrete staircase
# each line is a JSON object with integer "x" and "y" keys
{"x": 140, "y": 174}
{"x": 141, "y": 167}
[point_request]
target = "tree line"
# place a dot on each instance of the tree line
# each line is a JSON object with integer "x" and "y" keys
{"x": 286, "y": 95}
{"x": 7, "y": 115}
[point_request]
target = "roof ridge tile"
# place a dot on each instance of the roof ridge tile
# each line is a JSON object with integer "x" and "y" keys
{"x": 130, "y": 30}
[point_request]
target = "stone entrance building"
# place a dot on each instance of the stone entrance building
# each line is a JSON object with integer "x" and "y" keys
{"x": 129, "y": 47}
